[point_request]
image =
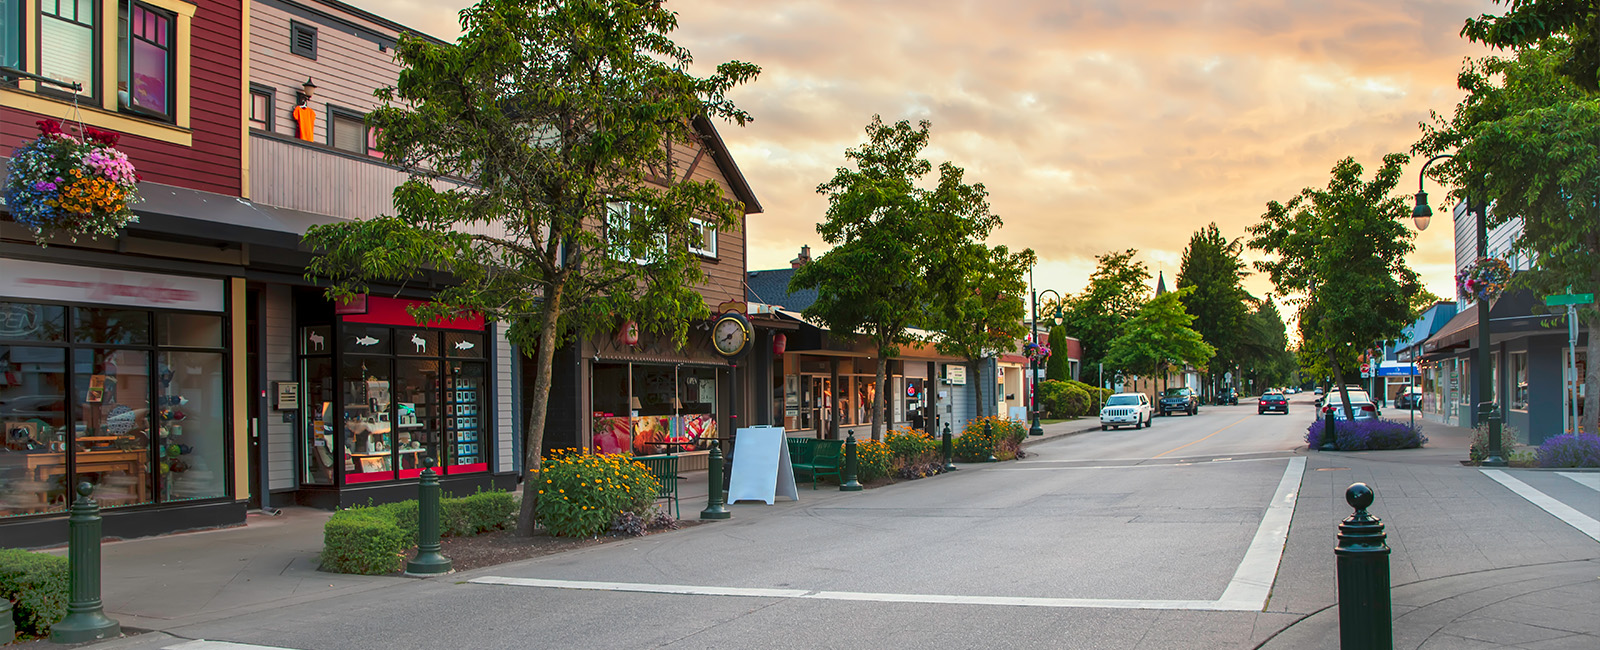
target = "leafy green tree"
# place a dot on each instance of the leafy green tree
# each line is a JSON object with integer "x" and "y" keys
{"x": 1116, "y": 291}
{"x": 1265, "y": 346}
{"x": 1532, "y": 23}
{"x": 556, "y": 115}
{"x": 1158, "y": 337}
{"x": 1342, "y": 251}
{"x": 1214, "y": 267}
{"x": 1529, "y": 140}
{"x": 897, "y": 247}
{"x": 980, "y": 311}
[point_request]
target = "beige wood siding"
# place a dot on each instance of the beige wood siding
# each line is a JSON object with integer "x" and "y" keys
{"x": 279, "y": 355}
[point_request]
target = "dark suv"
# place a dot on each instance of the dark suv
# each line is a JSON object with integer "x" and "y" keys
{"x": 1179, "y": 400}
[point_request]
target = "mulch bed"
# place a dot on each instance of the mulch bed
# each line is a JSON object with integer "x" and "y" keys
{"x": 502, "y": 546}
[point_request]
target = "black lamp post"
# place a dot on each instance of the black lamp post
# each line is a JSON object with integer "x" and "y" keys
{"x": 1035, "y": 359}
{"x": 1487, "y": 412}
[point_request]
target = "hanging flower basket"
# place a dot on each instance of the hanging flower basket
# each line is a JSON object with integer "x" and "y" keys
{"x": 61, "y": 184}
{"x": 1035, "y": 351}
{"x": 1484, "y": 279}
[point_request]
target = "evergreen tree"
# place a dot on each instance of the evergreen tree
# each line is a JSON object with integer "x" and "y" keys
{"x": 1213, "y": 267}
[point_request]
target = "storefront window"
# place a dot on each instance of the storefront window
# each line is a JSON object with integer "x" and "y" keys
{"x": 190, "y": 330}
{"x": 111, "y": 326}
{"x": 26, "y": 322}
{"x": 367, "y": 428}
{"x": 192, "y": 425}
{"x": 613, "y": 434}
{"x": 1519, "y": 378}
{"x": 654, "y": 392}
{"x": 416, "y": 388}
{"x": 317, "y": 400}
{"x": 112, "y": 425}
{"x": 697, "y": 412}
{"x": 33, "y": 423}
{"x": 465, "y": 418}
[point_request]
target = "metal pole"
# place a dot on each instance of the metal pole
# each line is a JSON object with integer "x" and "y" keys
{"x": 430, "y": 561}
{"x": 1487, "y": 410}
{"x": 850, "y": 483}
{"x": 714, "y": 508}
{"x": 86, "y": 620}
{"x": 1362, "y": 558}
{"x": 1569, "y": 411}
{"x": 988, "y": 432}
{"x": 1033, "y": 362}
{"x": 948, "y": 465}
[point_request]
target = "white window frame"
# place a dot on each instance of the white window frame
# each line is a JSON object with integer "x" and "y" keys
{"x": 708, "y": 233}
{"x": 623, "y": 209}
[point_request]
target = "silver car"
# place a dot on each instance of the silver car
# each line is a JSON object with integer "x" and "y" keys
{"x": 1360, "y": 404}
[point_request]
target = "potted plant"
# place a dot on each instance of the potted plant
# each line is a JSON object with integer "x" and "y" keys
{"x": 74, "y": 186}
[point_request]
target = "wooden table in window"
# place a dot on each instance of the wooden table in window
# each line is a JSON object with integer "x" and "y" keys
{"x": 43, "y": 467}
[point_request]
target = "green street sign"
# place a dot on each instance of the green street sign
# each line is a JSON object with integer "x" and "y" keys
{"x": 1561, "y": 299}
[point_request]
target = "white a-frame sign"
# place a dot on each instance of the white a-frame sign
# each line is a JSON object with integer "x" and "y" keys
{"x": 762, "y": 470}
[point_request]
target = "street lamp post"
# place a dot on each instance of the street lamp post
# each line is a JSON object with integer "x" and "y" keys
{"x": 1035, "y": 359}
{"x": 1487, "y": 412}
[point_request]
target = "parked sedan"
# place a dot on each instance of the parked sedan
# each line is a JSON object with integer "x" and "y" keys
{"x": 1123, "y": 409}
{"x": 1180, "y": 400}
{"x": 1273, "y": 402}
{"x": 1411, "y": 399}
{"x": 1362, "y": 406}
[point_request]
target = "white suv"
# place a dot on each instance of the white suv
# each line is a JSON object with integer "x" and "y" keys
{"x": 1125, "y": 409}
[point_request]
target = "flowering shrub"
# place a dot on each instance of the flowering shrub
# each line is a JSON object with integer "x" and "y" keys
{"x": 583, "y": 492}
{"x": 873, "y": 460}
{"x": 916, "y": 454}
{"x": 1478, "y": 449}
{"x": 1484, "y": 279}
{"x": 1570, "y": 450}
{"x": 60, "y": 183}
{"x": 1365, "y": 435}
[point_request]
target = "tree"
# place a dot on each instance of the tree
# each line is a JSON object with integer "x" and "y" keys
{"x": 1159, "y": 336}
{"x": 1212, "y": 265}
{"x": 1265, "y": 346}
{"x": 1057, "y": 366}
{"x": 980, "y": 311}
{"x": 1531, "y": 23}
{"x": 1342, "y": 251}
{"x": 556, "y": 115}
{"x": 1529, "y": 140}
{"x": 1116, "y": 291}
{"x": 890, "y": 237}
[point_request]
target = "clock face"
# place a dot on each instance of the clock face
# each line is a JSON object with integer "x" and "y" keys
{"x": 729, "y": 336}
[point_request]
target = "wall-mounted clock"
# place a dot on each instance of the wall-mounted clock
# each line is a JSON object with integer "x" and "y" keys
{"x": 730, "y": 334}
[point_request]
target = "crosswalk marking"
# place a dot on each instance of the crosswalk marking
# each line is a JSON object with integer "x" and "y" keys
{"x": 1589, "y": 480}
{"x": 202, "y": 644}
{"x": 1584, "y": 523}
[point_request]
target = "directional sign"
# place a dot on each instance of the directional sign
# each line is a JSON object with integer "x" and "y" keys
{"x": 1569, "y": 299}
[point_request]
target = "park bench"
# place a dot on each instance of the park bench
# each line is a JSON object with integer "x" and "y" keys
{"x": 665, "y": 469}
{"x": 817, "y": 458}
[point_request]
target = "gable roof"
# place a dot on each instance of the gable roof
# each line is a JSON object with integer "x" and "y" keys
{"x": 725, "y": 164}
{"x": 772, "y": 288}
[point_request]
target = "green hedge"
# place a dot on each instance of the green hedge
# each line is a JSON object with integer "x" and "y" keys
{"x": 373, "y": 540}
{"x": 38, "y": 584}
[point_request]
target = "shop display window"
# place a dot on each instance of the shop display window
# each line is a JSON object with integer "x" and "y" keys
{"x": 316, "y": 396}
{"x": 649, "y": 409}
{"x": 33, "y": 414}
{"x": 465, "y": 421}
{"x": 1519, "y": 381}
{"x": 190, "y": 330}
{"x": 29, "y": 322}
{"x": 112, "y": 427}
{"x": 111, "y": 326}
{"x": 368, "y": 430}
{"x": 417, "y": 412}
{"x": 191, "y": 425}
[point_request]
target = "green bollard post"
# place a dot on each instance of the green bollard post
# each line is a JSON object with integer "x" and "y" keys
{"x": 850, "y": 483}
{"x": 949, "y": 464}
{"x": 1330, "y": 436}
{"x": 86, "y": 620}
{"x": 714, "y": 508}
{"x": 1362, "y": 556}
{"x": 429, "y": 562}
{"x": 988, "y": 432}
{"x": 8, "y": 629}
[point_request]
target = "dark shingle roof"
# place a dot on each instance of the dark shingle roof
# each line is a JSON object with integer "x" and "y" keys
{"x": 772, "y": 288}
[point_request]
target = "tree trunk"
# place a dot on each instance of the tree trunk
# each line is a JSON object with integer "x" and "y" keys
{"x": 539, "y": 408}
{"x": 878, "y": 401}
{"x": 1591, "y": 380}
{"x": 977, "y": 385}
{"x": 1344, "y": 393}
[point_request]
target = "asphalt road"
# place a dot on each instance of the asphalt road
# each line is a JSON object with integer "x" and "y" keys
{"x": 1146, "y": 538}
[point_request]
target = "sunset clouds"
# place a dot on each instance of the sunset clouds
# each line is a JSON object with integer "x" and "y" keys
{"x": 1095, "y": 124}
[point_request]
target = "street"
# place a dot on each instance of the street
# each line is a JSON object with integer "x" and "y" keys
{"x": 1166, "y": 537}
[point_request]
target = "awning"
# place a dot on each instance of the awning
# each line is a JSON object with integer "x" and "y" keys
{"x": 1514, "y": 313}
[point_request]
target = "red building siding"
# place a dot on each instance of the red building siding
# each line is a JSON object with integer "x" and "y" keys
{"x": 213, "y": 163}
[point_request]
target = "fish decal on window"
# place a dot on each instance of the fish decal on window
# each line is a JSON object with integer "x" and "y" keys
{"x": 464, "y": 345}
{"x": 367, "y": 341}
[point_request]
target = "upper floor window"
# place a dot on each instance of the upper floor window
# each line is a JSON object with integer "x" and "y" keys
{"x": 623, "y": 223}
{"x": 67, "y": 42}
{"x": 11, "y": 34}
{"x": 145, "y": 61}
{"x": 702, "y": 238}
{"x": 347, "y": 132}
{"x": 372, "y": 144}
{"x": 261, "y": 107}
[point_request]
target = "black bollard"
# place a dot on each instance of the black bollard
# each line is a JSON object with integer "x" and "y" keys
{"x": 949, "y": 465}
{"x": 714, "y": 508}
{"x": 430, "y": 561}
{"x": 8, "y": 630}
{"x": 1330, "y": 437}
{"x": 988, "y": 432}
{"x": 1365, "y": 619}
{"x": 86, "y": 620}
{"x": 850, "y": 484}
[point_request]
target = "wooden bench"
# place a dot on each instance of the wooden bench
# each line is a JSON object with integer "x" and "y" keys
{"x": 818, "y": 458}
{"x": 665, "y": 469}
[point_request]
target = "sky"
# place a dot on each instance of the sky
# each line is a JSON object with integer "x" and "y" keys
{"x": 1096, "y": 125}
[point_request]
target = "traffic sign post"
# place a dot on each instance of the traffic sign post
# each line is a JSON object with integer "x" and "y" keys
{"x": 1569, "y": 410}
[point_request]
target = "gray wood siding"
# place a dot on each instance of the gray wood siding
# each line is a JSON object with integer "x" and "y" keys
{"x": 505, "y": 426}
{"x": 346, "y": 71}
{"x": 279, "y": 355}
{"x": 288, "y": 175}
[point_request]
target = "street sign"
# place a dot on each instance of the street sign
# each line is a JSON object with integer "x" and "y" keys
{"x": 1561, "y": 299}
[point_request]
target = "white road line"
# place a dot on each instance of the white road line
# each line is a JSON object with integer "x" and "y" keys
{"x": 937, "y": 599}
{"x": 203, "y": 644}
{"x": 1252, "y": 581}
{"x": 1152, "y": 465}
{"x": 1584, "y": 523}
{"x": 1246, "y": 592}
{"x": 1589, "y": 480}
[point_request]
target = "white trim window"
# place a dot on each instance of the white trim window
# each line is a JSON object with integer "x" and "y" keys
{"x": 703, "y": 238}
{"x": 630, "y": 219}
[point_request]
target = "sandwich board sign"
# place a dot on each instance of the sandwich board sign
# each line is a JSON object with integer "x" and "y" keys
{"x": 762, "y": 470}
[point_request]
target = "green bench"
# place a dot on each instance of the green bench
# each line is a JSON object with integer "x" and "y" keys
{"x": 665, "y": 469}
{"x": 818, "y": 458}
